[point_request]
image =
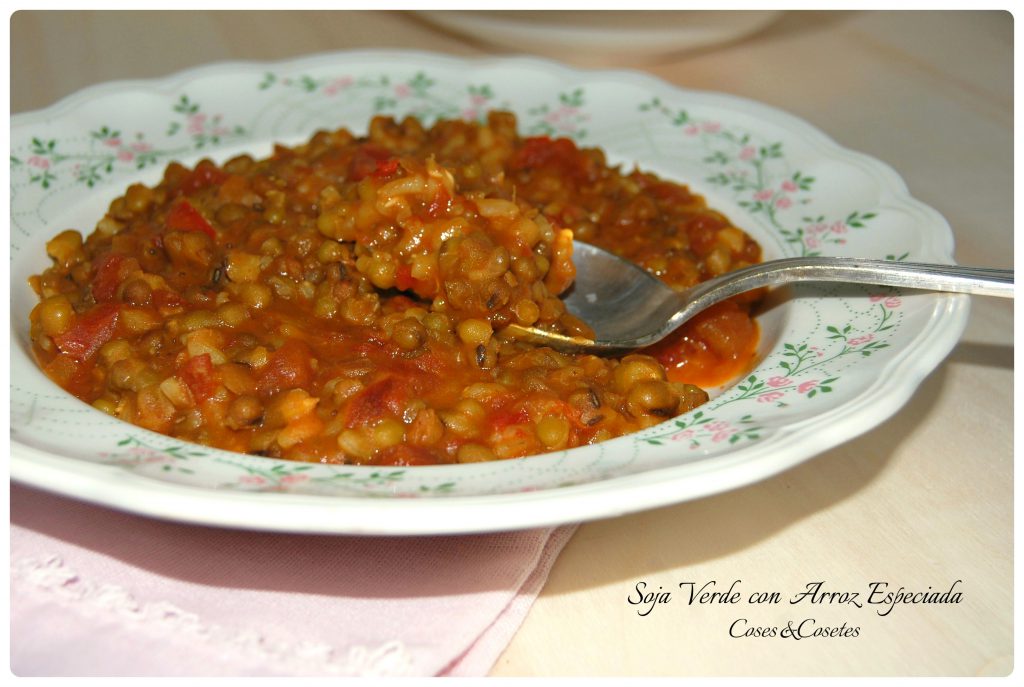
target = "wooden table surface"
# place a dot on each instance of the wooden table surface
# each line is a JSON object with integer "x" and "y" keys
{"x": 920, "y": 501}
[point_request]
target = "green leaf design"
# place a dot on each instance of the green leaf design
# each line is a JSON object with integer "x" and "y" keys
{"x": 269, "y": 79}
{"x": 572, "y": 99}
{"x": 186, "y": 106}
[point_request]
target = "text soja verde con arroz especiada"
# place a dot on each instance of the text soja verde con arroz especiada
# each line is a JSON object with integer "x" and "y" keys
{"x": 879, "y": 595}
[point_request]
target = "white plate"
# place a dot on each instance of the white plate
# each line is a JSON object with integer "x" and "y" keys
{"x": 606, "y": 36}
{"x": 835, "y": 362}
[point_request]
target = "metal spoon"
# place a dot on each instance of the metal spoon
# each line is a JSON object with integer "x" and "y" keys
{"x": 629, "y": 308}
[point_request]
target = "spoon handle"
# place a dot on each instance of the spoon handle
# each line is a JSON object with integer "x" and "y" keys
{"x": 982, "y": 281}
{"x": 976, "y": 280}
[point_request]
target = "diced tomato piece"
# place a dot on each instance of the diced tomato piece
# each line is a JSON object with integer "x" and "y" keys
{"x": 89, "y": 332}
{"x": 404, "y": 281}
{"x": 726, "y": 328}
{"x": 534, "y": 151}
{"x": 538, "y": 151}
{"x": 432, "y": 363}
{"x": 385, "y": 168}
{"x": 386, "y": 397}
{"x": 184, "y": 217}
{"x": 403, "y": 277}
{"x": 200, "y": 377}
{"x": 109, "y": 275}
{"x": 205, "y": 174}
{"x": 287, "y": 368}
{"x": 506, "y": 417}
{"x": 367, "y": 160}
{"x": 703, "y": 230}
{"x": 558, "y": 157}
{"x": 70, "y": 373}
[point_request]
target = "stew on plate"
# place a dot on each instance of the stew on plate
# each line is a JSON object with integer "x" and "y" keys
{"x": 344, "y": 300}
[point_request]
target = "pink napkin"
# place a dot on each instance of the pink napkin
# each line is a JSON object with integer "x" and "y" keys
{"x": 97, "y": 592}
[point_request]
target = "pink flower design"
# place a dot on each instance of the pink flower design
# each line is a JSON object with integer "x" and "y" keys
{"x": 196, "y": 123}
{"x": 841, "y": 242}
{"x": 691, "y": 130}
{"x": 294, "y": 479}
{"x": 716, "y": 426}
{"x": 141, "y": 146}
{"x": 478, "y": 100}
{"x": 815, "y": 228}
{"x": 112, "y": 142}
{"x": 40, "y": 162}
{"x": 893, "y": 302}
{"x": 776, "y": 381}
{"x": 402, "y": 90}
{"x": 765, "y": 194}
{"x": 857, "y": 341}
{"x": 783, "y": 202}
{"x": 807, "y": 386}
{"x": 711, "y": 127}
{"x": 770, "y": 396}
{"x": 685, "y": 434}
{"x": 838, "y": 227}
{"x": 724, "y": 434}
{"x": 125, "y": 156}
{"x": 251, "y": 479}
{"x": 875, "y": 298}
{"x": 338, "y": 85}
{"x": 789, "y": 186}
{"x": 748, "y": 153}
{"x": 812, "y": 242}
